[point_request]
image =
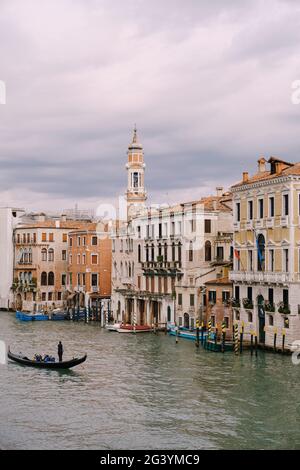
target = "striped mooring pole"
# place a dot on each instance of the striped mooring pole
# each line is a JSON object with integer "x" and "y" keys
{"x": 242, "y": 337}
{"x": 283, "y": 339}
{"x": 236, "y": 338}
{"x": 134, "y": 322}
{"x": 223, "y": 336}
{"x": 208, "y": 329}
{"x": 197, "y": 333}
{"x": 275, "y": 338}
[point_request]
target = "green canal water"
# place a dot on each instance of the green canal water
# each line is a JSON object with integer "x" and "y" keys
{"x": 143, "y": 392}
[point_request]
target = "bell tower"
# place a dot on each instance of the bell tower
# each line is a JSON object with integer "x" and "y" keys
{"x": 136, "y": 195}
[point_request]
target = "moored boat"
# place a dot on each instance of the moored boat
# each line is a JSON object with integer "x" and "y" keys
{"x": 186, "y": 334}
{"x": 113, "y": 327}
{"x": 134, "y": 329}
{"x": 24, "y": 360}
{"x": 22, "y": 316}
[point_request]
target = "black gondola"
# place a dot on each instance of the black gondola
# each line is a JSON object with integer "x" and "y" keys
{"x": 46, "y": 365}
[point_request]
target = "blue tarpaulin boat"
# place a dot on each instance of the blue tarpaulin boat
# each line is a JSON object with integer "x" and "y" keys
{"x": 22, "y": 316}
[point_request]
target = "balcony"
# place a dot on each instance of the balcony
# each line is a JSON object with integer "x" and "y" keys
{"x": 248, "y": 304}
{"x": 284, "y": 308}
{"x": 263, "y": 277}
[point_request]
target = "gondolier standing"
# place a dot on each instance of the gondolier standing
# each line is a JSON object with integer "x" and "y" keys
{"x": 60, "y": 351}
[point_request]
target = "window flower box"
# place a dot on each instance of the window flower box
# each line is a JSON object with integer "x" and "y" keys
{"x": 248, "y": 304}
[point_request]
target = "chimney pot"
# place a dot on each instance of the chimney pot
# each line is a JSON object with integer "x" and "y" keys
{"x": 245, "y": 176}
{"x": 219, "y": 190}
{"x": 261, "y": 164}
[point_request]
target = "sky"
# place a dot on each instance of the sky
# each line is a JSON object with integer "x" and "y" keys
{"x": 208, "y": 84}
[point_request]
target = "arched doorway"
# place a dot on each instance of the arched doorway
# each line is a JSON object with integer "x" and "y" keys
{"x": 186, "y": 320}
{"x": 261, "y": 319}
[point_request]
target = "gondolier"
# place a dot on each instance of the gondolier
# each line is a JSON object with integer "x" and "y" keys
{"x": 60, "y": 351}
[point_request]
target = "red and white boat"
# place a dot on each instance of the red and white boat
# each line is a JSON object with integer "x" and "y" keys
{"x": 134, "y": 328}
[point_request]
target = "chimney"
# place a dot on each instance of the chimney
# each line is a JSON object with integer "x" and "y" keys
{"x": 261, "y": 164}
{"x": 219, "y": 190}
{"x": 63, "y": 218}
{"x": 245, "y": 176}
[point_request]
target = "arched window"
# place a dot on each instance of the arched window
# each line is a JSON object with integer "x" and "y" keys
{"x": 121, "y": 269}
{"x": 51, "y": 254}
{"x": 207, "y": 251}
{"x": 25, "y": 256}
{"x": 30, "y": 255}
{"x": 152, "y": 252}
{"x": 44, "y": 254}
{"x": 129, "y": 269}
{"x": 51, "y": 279}
{"x": 21, "y": 256}
{"x": 173, "y": 252}
{"x": 147, "y": 253}
{"x": 126, "y": 269}
{"x": 179, "y": 252}
{"x": 139, "y": 254}
{"x": 43, "y": 279}
{"x": 260, "y": 252}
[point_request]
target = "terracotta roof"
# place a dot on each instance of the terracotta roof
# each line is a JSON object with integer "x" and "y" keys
{"x": 288, "y": 169}
{"x": 69, "y": 224}
{"x": 220, "y": 281}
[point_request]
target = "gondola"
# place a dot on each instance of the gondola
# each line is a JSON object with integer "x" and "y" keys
{"x": 46, "y": 365}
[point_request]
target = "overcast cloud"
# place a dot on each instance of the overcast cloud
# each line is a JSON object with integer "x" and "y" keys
{"x": 208, "y": 84}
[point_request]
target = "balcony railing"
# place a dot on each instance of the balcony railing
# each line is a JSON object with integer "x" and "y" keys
{"x": 264, "y": 276}
{"x": 161, "y": 264}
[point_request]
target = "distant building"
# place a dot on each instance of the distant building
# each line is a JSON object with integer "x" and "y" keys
{"x": 266, "y": 274}
{"x": 9, "y": 218}
{"x": 41, "y": 262}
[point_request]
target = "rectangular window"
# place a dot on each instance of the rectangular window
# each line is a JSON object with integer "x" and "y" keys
{"x": 192, "y": 300}
{"x": 51, "y": 237}
{"x": 44, "y": 237}
{"x": 95, "y": 241}
{"x": 78, "y": 279}
{"x": 180, "y": 299}
{"x": 83, "y": 279}
{"x": 78, "y": 259}
{"x": 271, "y": 296}
{"x": 64, "y": 237}
{"x": 63, "y": 279}
{"x": 285, "y": 297}
{"x": 249, "y": 293}
{"x": 271, "y": 260}
{"x": 71, "y": 279}
{"x": 83, "y": 241}
{"x": 220, "y": 253}
{"x": 250, "y": 260}
{"x": 271, "y": 206}
{"x": 34, "y": 238}
{"x": 59, "y": 296}
{"x": 250, "y": 210}
{"x": 64, "y": 255}
{"x": 78, "y": 241}
{"x": 94, "y": 259}
{"x": 212, "y": 296}
{"x": 43, "y": 296}
{"x": 50, "y": 296}
{"x": 237, "y": 292}
{"x": 238, "y": 211}
{"x": 95, "y": 280}
{"x": 285, "y": 204}
{"x": 225, "y": 296}
{"x": 71, "y": 241}
{"x": 207, "y": 226}
{"x": 260, "y": 208}
{"x": 70, "y": 258}
{"x": 83, "y": 258}
{"x": 286, "y": 260}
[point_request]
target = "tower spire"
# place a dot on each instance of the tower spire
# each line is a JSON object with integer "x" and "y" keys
{"x": 134, "y": 140}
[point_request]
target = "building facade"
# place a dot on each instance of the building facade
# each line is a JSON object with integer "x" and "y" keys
{"x": 266, "y": 274}
{"x": 89, "y": 265}
{"x": 41, "y": 263}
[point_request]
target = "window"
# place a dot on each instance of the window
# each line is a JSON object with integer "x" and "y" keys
{"x": 237, "y": 292}
{"x": 63, "y": 279}
{"x": 179, "y": 252}
{"x": 94, "y": 259}
{"x": 225, "y": 296}
{"x": 78, "y": 259}
{"x": 271, "y": 320}
{"x": 238, "y": 211}
{"x": 83, "y": 258}
{"x": 249, "y": 293}
{"x": 285, "y": 297}
{"x": 64, "y": 237}
{"x": 83, "y": 241}
{"x": 95, "y": 241}
{"x": 78, "y": 279}
{"x": 43, "y": 278}
{"x": 250, "y": 260}
{"x": 70, "y": 258}
{"x": 250, "y": 210}
{"x": 44, "y": 254}
{"x": 260, "y": 208}
{"x": 180, "y": 299}
{"x": 271, "y": 260}
{"x": 34, "y": 238}
{"x": 271, "y": 296}
{"x": 285, "y": 209}
{"x": 271, "y": 206}
{"x": 43, "y": 296}
{"x": 51, "y": 237}
{"x": 44, "y": 237}
{"x": 64, "y": 255}
{"x": 139, "y": 254}
{"x": 59, "y": 296}
{"x": 192, "y": 300}
{"x": 95, "y": 280}
{"x": 191, "y": 252}
{"x": 212, "y": 296}
{"x": 51, "y": 255}
{"x": 286, "y": 260}
{"x": 83, "y": 279}
{"x": 207, "y": 251}
{"x": 71, "y": 241}
{"x": 260, "y": 252}
{"x": 220, "y": 253}
{"x": 250, "y": 317}
{"x": 226, "y": 321}
{"x": 51, "y": 279}
{"x": 50, "y": 296}
{"x": 207, "y": 226}
{"x": 78, "y": 241}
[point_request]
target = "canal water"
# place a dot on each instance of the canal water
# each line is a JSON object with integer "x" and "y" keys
{"x": 143, "y": 392}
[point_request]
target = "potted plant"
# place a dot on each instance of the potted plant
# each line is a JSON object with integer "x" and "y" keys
{"x": 283, "y": 308}
{"x": 248, "y": 304}
{"x": 269, "y": 307}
